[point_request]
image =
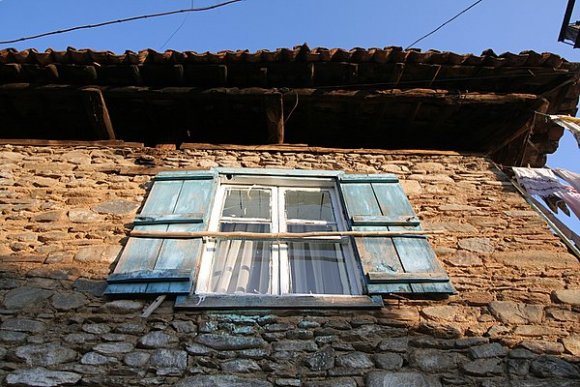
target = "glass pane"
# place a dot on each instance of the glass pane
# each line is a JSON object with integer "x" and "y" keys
{"x": 309, "y": 205}
{"x": 242, "y": 266}
{"x": 247, "y": 203}
{"x": 317, "y": 268}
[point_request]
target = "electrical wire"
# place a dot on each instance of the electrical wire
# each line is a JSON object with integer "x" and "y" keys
{"x": 176, "y": 30}
{"x": 443, "y": 25}
{"x": 133, "y": 18}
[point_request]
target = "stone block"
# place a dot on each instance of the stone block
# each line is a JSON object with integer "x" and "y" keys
{"x": 116, "y": 207}
{"x": 510, "y": 312}
{"x": 98, "y": 254}
{"x": 572, "y": 344}
{"x": 397, "y": 379}
{"x": 441, "y": 313}
{"x": 45, "y": 354}
{"x": 229, "y": 342}
{"x": 25, "y": 297}
{"x": 42, "y": 377}
{"x": 477, "y": 245}
{"x": 537, "y": 259}
{"x": 567, "y": 296}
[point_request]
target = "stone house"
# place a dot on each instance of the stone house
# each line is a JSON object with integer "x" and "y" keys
{"x": 106, "y": 161}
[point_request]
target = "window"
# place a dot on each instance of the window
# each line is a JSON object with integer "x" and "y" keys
{"x": 315, "y": 265}
{"x": 276, "y": 238}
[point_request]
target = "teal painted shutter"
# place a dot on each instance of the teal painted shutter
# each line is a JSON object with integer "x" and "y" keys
{"x": 178, "y": 201}
{"x": 391, "y": 264}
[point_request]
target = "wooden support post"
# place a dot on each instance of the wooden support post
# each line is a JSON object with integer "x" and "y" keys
{"x": 274, "y": 106}
{"x": 96, "y": 107}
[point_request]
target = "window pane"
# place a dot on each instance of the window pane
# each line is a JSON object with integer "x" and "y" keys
{"x": 247, "y": 203}
{"x": 317, "y": 268}
{"x": 242, "y": 266}
{"x": 309, "y": 205}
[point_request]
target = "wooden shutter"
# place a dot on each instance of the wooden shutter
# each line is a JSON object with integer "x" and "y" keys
{"x": 178, "y": 201}
{"x": 393, "y": 264}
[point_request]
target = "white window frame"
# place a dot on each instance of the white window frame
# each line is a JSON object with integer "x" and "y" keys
{"x": 279, "y": 186}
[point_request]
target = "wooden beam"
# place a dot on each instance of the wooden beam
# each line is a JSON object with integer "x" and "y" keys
{"x": 96, "y": 107}
{"x": 527, "y": 128}
{"x": 274, "y": 106}
{"x": 65, "y": 143}
{"x": 303, "y": 148}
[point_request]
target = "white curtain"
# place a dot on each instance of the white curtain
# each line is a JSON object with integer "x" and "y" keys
{"x": 242, "y": 266}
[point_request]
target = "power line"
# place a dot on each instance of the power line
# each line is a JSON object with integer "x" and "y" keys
{"x": 177, "y": 29}
{"x": 443, "y": 25}
{"x": 87, "y": 26}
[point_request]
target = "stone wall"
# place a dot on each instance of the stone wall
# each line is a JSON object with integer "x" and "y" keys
{"x": 66, "y": 211}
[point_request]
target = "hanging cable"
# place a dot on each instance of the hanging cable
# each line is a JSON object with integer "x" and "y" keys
{"x": 443, "y": 25}
{"x": 133, "y": 18}
{"x": 177, "y": 29}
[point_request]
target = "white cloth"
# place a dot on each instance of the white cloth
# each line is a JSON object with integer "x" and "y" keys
{"x": 544, "y": 182}
{"x": 571, "y": 178}
{"x": 570, "y": 123}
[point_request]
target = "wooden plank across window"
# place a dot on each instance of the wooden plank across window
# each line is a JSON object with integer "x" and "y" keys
{"x": 279, "y": 235}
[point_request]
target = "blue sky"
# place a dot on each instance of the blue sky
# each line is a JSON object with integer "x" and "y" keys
{"x": 513, "y": 25}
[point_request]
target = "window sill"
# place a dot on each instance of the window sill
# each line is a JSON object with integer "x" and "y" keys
{"x": 277, "y": 302}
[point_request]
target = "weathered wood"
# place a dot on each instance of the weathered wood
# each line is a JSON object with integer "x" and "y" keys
{"x": 528, "y": 127}
{"x": 218, "y": 301}
{"x": 163, "y": 275}
{"x": 142, "y": 220}
{"x": 96, "y": 107}
{"x": 41, "y": 142}
{"x": 407, "y": 277}
{"x": 274, "y": 106}
{"x": 154, "y": 305}
{"x": 358, "y": 220}
{"x": 279, "y": 235}
{"x": 303, "y": 148}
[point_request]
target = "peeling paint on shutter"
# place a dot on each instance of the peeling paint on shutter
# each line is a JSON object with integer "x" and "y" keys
{"x": 394, "y": 264}
{"x": 178, "y": 201}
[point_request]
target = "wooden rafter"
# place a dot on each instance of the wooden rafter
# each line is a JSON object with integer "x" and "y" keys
{"x": 274, "y": 106}
{"x": 96, "y": 108}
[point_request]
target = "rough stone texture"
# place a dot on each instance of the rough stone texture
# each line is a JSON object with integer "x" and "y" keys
{"x": 477, "y": 245}
{"x": 45, "y": 354}
{"x": 42, "y": 377}
{"x": 25, "y": 297}
{"x": 24, "y": 325}
{"x": 221, "y": 380}
{"x": 169, "y": 358}
{"x": 516, "y": 285}
{"x": 116, "y": 207}
{"x": 513, "y": 313}
{"x": 568, "y": 296}
{"x": 483, "y": 367}
{"x": 388, "y": 361}
{"x": 123, "y": 306}
{"x": 240, "y": 366}
{"x": 226, "y": 342}
{"x": 396, "y": 379}
{"x": 105, "y": 254}
{"x": 68, "y": 301}
{"x": 157, "y": 339}
{"x": 488, "y": 350}
{"x": 572, "y": 344}
{"x": 550, "y": 366}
